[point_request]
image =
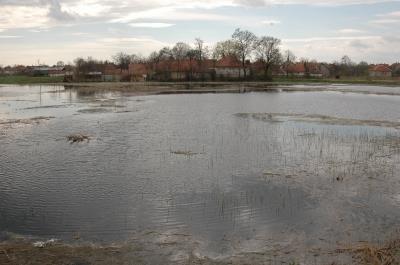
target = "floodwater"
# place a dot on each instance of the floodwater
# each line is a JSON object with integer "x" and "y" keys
{"x": 294, "y": 173}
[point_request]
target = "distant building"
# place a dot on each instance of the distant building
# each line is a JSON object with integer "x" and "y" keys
{"x": 380, "y": 70}
{"x": 55, "y": 71}
{"x": 229, "y": 67}
{"x": 395, "y": 69}
{"x": 112, "y": 73}
{"x": 297, "y": 70}
{"x": 317, "y": 70}
{"x": 308, "y": 69}
{"x": 94, "y": 76}
{"x": 139, "y": 71}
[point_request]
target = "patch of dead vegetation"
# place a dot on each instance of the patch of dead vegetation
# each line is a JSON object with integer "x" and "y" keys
{"x": 316, "y": 118}
{"x": 368, "y": 254}
{"x": 185, "y": 153}
{"x": 16, "y": 253}
{"x": 30, "y": 121}
{"x": 78, "y": 138}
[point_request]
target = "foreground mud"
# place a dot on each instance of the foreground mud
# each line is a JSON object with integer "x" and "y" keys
{"x": 21, "y": 251}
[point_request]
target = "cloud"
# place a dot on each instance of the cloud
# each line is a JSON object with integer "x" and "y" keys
{"x": 350, "y": 31}
{"x": 9, "y": 37}
{"x": 101, "y": 48}
{"x": 271, "y": 22}
{"x": 308, "y": 2}
{"x": 151, "y": 25}
{"x": 55, "y": 12}
{"x": 388, "y": 18}
{"x": 169, "y": 13}
{"x": 23, "y": 13}
{"x": 22, "y": 17}
{"x": 323, "y": 39}
{"x": 374, "y": 49}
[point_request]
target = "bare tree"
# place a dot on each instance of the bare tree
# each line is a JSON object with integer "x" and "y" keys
{"x": 122, "y": 60}
{"x": 165, "y": 54}
{"x": 180, "y": 51}
{"x": 202, "y": 50}
{"x": 60, "y": 64}
{"x": 244, "y": 40}
{"x": 267, "y": 51}
{"x": 225, "y": 48}
{"x": 288, "y": 58}
{"x": 137, "y": 58}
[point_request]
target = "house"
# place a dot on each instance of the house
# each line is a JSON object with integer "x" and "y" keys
{"x": 112, "y": 73}
{"x": 380, "y": 70}
{"x": 297, "y": 70}
{"x": 308, "y": 69}
{"x": 318, "y": 70}
{"x": 229, "y": 67}
{"x": 55, "y": 71}
{"x": 395, "y": 69}
{"x": 180, "y": 70}
{"x": 191, "y": 69}
{"x": 94, "y": 76}
{"x": 139, "y": 71}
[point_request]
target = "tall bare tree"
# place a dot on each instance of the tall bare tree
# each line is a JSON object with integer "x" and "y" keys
{"x": 202, "y": 50}
{"x": 244, "y": 40}
{"x": 225, "y": 48}
{"x": 288, "y": 58}
{"x": 122, "y": 60}
{"x": 180, "y": 52}
{"x": 267, "y": 50}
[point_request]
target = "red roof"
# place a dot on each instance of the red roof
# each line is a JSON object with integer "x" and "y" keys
{"x": 229, "y": 62}
{"x": 381, "y": 68}
{"x": 139, "y": 69}
{"x": 184, "y": 65}
{"x": 296, "y": 68}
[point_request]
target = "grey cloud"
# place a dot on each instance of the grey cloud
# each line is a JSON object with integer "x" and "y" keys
{"x": 358, "y": 44}
{"x": 56, "y": 13}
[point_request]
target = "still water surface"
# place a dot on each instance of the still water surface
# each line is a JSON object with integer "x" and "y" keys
{"x": 200, "y": 164}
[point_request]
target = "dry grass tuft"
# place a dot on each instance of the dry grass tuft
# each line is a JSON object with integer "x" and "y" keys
{"x": 78, "y": 138}
{"x": 368, "y": 254}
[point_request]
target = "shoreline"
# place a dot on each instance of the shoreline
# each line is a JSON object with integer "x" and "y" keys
{"x": 277, "y": 81}
{"x": 170, "y": 88}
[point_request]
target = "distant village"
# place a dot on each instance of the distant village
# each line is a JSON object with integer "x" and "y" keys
{"x": 243, "y": 57}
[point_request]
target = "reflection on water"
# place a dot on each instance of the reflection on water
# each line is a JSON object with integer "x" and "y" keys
{"x": 188, "y": 163}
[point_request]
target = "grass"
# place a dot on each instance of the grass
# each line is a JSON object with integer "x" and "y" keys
{"x": 29, "y": 79}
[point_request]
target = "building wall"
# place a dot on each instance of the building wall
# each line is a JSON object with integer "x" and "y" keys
{"x": 224, "y": 72}
{"x": 297, "y": 74}
{"x": 380, "y": 74}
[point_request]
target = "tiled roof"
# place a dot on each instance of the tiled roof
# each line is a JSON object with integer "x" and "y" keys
{"x": 296, "y": 68}
{"x": 381, "y": 68}
{"x": 228, "y": 62}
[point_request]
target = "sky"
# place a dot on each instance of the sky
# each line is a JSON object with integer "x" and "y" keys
{"x": 46, "y": 31}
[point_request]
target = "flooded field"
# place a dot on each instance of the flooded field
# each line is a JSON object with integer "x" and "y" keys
{"x": 252, "y": 178}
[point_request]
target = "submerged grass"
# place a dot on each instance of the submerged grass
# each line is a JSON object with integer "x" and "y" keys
{"x": 185, "y": 153}
{"x": 78, "y": 138}
{"x": 316, "y": 118}
{"x": 368, "y": 254}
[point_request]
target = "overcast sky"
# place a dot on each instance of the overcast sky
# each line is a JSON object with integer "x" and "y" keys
{"x": 52, "y": 30}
